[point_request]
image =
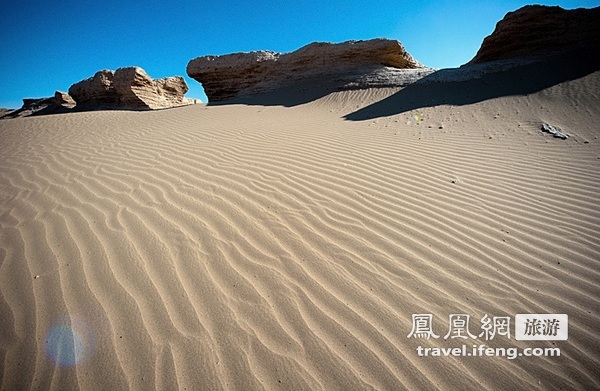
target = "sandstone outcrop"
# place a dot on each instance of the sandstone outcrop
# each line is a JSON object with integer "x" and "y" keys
{"x": 61, "y": 102}
{"x": 125, "y": 88}
{"x": 5, "y": 112}
{"x": 537, "y": 29}
{"x": 347, "y": 65}
{"x": 63, "y": 99}
{"x": 128, "y": 88}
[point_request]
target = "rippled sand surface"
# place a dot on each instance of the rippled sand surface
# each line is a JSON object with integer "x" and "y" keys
{"x": 244, "y": 247}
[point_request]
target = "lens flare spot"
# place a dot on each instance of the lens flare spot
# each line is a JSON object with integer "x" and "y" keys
{"x": 418, "y": 117}
{"x": 69, "y": 342}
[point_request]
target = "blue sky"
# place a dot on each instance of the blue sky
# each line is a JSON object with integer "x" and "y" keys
{"x": 47, "y": 46}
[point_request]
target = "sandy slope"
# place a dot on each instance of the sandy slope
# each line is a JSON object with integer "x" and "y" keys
{"x": 263, "y": 247}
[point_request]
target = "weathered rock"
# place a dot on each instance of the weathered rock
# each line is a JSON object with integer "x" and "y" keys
{"x": 351, "y": 64}
{"x": 536, "y": 29}
{"x": 61, "y": 102}
{"x": 555, "y": 131}
{"x": 64, "y": 99}
{"x": 129, "y": 88}
{"x": 5, "y": 112}
{"x": 97, "y": 90}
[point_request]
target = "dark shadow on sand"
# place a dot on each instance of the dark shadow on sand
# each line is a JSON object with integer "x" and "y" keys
{"x": 476, "y": 83}
{"x": 307, "y": 91}
{"x": 55, "y": 109}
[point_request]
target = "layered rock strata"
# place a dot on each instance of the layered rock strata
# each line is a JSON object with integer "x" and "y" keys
{"x": 351, "y": 64}
{"x": 129, "y": 88}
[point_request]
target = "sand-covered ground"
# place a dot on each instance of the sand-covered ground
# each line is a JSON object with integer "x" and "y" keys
{"x": 248, "y": 247}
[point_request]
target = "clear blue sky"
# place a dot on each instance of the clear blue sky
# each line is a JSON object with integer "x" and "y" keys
{"x": 49, "y": 45}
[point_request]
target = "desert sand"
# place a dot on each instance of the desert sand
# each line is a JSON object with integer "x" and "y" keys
{"x": 250, "y": 247}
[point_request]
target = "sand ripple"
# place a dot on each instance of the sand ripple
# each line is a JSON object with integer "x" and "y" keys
{"x": 250, "y": 247}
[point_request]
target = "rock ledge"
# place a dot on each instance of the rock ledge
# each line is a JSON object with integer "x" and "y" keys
{"x": 346, "y": 65}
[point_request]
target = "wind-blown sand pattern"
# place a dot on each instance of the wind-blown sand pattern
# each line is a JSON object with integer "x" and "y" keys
{"x": 262, "y": 247}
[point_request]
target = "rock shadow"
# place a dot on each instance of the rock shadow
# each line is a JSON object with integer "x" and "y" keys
{"x": 309, "y": 89}
{"x": 295, "y": 94}
{"x": 479, "y": 82}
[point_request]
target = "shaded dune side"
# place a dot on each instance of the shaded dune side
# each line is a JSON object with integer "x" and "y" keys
{"x": 248, "y": 247}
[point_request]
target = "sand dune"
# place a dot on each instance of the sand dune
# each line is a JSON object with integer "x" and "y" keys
{"x": 264, "y": 247}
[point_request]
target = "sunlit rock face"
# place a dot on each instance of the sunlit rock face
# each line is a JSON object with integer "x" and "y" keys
{"x": 346, "y": 65}
{"x": 129, "y": 88}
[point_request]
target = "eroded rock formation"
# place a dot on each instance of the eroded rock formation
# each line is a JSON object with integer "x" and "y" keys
{"x": 129, "y": 88}
{"x": 536, "y": 29}
{"x": 64, "y": 99}
{"x": 125, "y": 88}
{"x": 61, "y": 102}
{"x": 352, "y": 64}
